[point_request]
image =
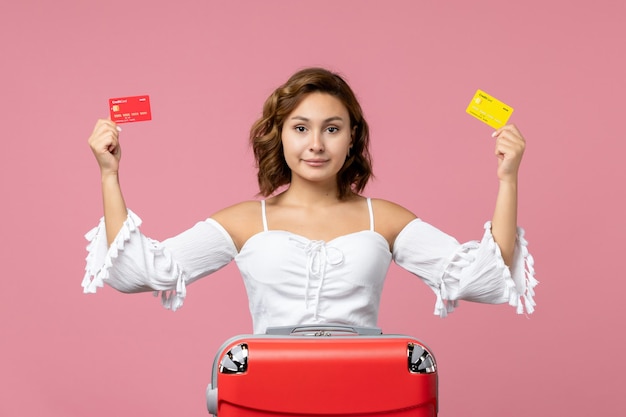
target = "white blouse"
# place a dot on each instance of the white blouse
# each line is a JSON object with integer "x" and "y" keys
{"x": 293, "y": 280}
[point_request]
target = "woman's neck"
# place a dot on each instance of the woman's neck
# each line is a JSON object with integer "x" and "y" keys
{"x": 309, "y": 194}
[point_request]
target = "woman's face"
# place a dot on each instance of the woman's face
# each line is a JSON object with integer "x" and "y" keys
{"x": 316, "y": 138}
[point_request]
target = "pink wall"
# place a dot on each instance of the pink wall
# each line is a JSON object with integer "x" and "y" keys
{"x": 208, "y": 65}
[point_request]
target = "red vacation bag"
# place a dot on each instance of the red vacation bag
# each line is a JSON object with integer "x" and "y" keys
{"x": 323, "y": 371}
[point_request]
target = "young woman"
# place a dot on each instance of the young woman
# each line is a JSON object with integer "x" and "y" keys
{"x": 315, "y": 250}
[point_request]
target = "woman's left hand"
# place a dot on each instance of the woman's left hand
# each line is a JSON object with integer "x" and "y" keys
{"x": 510, "y": 146}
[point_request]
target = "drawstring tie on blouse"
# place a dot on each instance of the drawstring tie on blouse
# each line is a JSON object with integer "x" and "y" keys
{"x": 319, "y": 257}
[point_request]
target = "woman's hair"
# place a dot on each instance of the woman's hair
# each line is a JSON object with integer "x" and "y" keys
{"x": 265, "y": 134}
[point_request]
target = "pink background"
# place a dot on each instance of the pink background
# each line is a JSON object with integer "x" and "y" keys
{"x": 208, "y": 66}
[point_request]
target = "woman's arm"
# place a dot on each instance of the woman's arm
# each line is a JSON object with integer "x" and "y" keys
{"x": 104, "y": 143}
{"x": 510, "y": 145}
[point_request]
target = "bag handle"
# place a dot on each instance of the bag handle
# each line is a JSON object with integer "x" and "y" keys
{"x": 323, "y": 330}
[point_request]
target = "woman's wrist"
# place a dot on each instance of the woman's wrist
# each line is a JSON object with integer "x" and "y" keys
{"x": 508, "y": 182}
{"x": 109, "y": 177}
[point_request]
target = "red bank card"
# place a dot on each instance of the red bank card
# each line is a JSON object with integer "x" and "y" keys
{"x": 130, "y": 109}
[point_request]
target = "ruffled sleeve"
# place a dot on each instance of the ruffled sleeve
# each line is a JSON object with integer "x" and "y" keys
{"x": 136, "y": 263}
{"x": 473, "y": 271}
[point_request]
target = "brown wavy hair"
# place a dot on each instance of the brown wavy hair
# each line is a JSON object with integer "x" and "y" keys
{"x": 266, "y": 141}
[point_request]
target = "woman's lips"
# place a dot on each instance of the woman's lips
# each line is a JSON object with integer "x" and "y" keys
{"x": 315, "y": 162}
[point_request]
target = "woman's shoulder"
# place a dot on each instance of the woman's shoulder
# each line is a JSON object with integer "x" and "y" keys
{"x": 241, "y": 208}
{"x": 390, "y": 218}
{"x": 241, "y": 220}
{"x": 391, "y": 211}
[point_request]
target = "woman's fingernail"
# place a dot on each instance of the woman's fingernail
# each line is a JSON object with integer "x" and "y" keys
{"x": 119, "y": 129}
{"x": 494, "y": 134}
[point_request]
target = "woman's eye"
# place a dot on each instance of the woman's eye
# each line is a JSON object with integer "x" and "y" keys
{"x": 300, "y": 128}
{"x": 333, "y": 129}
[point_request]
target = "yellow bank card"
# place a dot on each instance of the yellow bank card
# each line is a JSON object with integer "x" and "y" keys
{"x": 488, "y": 109}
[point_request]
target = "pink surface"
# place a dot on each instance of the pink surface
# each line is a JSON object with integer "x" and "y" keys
{"x": 208, "y": 66}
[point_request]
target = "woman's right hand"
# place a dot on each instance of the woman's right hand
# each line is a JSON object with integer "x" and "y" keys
{"x": 104, "y": 143}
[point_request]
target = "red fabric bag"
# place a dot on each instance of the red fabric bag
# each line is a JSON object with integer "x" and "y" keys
{"x": 325, "y": 371}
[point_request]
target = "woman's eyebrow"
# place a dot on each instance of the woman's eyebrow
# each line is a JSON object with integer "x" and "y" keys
{"x": 330, "y": 119}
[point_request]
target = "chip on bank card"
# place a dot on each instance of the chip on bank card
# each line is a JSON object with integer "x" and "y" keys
{"x": 488, "y": 109}
{"x": 130, "y": 109}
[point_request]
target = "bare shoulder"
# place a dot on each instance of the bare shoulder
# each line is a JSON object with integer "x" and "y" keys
{"x": 241, "y": 220}
{"x": 390, "y": 218}
{"x": 236, "y": 210}
{"x": 389, "y": 212}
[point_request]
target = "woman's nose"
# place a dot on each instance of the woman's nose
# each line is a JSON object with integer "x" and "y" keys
{"x": 317, "y": 144}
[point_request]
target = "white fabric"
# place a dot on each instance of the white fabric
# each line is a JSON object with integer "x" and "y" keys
{"x": 136, "y": 263}
{"x": 473, "y": 271}
{"x": 293, "y": 280}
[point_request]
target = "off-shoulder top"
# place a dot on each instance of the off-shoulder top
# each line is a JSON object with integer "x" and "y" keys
{"x": 293, "y": 280}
